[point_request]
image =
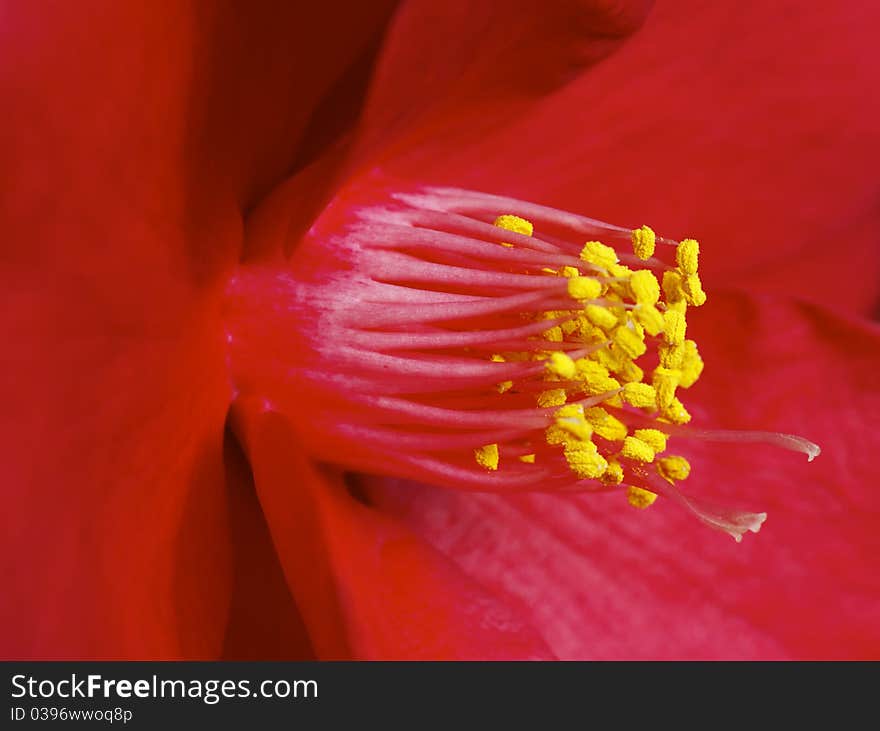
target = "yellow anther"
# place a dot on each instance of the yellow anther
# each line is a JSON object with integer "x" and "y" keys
{"x": 570, "y": 411}
{"x": 654, "y": 438}
{"x": 673, "y": 286}
{"x": 569, "y": 326}
{"x": 527, "y": 458}
{"x": 569, "y": 427}
{"x": 644, "y": 287}
{"x": 588, "y": 332}
{"x": 590, "y": 370}
{"x": 487, "y": 457}
{"x": 618, "y": 289}
{"x": 643, "y": 240}
{"x": 516, "y": 224}
{"x": 555, "y": 434}
{"x": 691, "y": 365}
{"x": 676, "y": 413}
{"x": 611, "y": 360}
{"x": 584, "y": 288}
{"x": 553, "y": 397}
{"x": 569, "y": 272}
{"x": 613, "y": 474}
{"x": 680, "y": 306}
{"x": 674, "y": 327}
{"x": 554, "y": 334}
{"x": 594, "y": 377}
{"x": 629, "y": 372}
{"x": 605, "y": 425}
{"x": 641, "y": 395}
{"x": 577, "y": 426}
{"x": 518, "y": 357}
{"x": 601, "y": 317}
{"x": 686, "y": 256}
{"x": 665, "y": 381}
{"x": 597, "y": 387}
{"x": 598, "y": 254}
{"x": 624, "y": 317}
{"x": 650, "y": 318}
{"x": 673, "y": 468}
{"x": 561, "y": 365}
{"x": 639, "y": 498}
{"x": 693, "y": 290}
{"x": 671, "y": 356}
{"x": 584, "y": 460}
{"x": 619, "y": 270}
{"x": 504, "y": 385}
{"x": 629, "y": 342}
{"x": 635, "y": 449}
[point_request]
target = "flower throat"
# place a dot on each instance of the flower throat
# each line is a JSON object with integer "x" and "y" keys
{"x": 484, "y": 343}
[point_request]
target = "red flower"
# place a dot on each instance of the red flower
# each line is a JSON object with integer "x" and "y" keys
{"x": 138, "y": 143}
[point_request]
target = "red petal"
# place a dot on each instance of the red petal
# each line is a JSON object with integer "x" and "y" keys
{"x": 131, "y": 139}
{"x": 367, "y": 587}
{"x": 114, "y": 486}
{"x": 264, "y": 621}
{"x": 604, "y": 581}
{"x": 438, "y": 58}
{"x": 748, "y": 126}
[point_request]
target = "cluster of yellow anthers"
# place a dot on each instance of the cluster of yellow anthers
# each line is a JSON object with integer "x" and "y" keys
{"x": 619, "y": 315}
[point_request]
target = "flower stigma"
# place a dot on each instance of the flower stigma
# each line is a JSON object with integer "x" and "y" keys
{"x": 485, "y": 343}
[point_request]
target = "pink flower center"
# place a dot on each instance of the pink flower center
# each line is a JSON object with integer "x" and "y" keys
{"x": 485, "y": 343}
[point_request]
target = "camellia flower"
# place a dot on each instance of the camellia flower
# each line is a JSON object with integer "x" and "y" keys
{"x": 350, "y": 411}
